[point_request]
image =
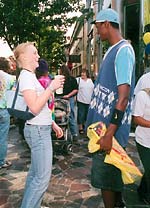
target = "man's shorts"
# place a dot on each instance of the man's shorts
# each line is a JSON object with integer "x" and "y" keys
{"x": 105, "y": 176}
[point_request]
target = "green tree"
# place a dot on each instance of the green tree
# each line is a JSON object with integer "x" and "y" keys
{"x": 43, "y": 21}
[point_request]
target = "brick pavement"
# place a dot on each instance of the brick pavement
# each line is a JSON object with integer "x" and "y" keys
{"x": 70, "y": 182}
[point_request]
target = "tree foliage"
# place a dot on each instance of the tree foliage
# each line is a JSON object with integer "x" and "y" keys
{"x": 43, "y": 21}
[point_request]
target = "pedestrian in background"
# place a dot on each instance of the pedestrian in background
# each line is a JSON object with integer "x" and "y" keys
{"x": 143, "y": 83}
{"x": 85, "y": 89}
{"x": 70, "y": 90}
{"x": 6, "y": 83}
{"x": 111, "y": 104}
{"x": 37, "y": 130}
{"x": 141, "y": 117}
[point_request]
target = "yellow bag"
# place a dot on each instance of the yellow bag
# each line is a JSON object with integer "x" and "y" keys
{"x": 117, "y": 157}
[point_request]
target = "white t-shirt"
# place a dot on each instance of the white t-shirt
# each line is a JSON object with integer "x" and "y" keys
{"x": 143, "y": 82}
{"x": 141, "y": 107}
{"x": 85, "y": 90}
{"x": 28, "y": 80}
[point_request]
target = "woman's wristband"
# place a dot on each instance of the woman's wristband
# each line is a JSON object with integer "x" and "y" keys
{"x": 117, "y": 117}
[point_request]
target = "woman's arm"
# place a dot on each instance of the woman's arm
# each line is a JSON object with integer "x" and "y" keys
{"x": 35, "y": 102}
{"x": 138, "y": 120}
{"x": 72, "y": 93}
{"x": 57, "y": 130}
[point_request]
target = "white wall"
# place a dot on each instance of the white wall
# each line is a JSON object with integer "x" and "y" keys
{"x": 5, "y": 50}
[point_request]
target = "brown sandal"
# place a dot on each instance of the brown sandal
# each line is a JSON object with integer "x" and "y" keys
{"x": 81, "y": 131}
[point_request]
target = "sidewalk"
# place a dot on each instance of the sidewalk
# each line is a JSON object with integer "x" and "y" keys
{"x": 70, "y": 182}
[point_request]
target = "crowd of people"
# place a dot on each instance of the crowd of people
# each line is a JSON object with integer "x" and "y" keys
{"x": 109, "y": 100}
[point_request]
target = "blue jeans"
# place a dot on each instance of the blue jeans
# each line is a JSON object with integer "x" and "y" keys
{"x": 82, "y": 112}
{"x": 72, "y": 120}
{"x": 4, "y": 129}
{"x": 39, "y": 141}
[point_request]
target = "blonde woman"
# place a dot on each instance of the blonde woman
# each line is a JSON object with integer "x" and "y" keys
{"x": 37, "y": 131}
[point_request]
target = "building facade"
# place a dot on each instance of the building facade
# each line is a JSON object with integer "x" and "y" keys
{"x": 134, "y": 22}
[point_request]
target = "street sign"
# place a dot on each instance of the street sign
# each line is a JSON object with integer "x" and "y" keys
{"x": 75, "y": 58}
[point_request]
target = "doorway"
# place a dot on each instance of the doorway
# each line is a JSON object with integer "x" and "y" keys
{"x": 132, "y": 32}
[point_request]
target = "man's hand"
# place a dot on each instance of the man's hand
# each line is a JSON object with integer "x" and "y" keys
{"x": 105, "y": 143}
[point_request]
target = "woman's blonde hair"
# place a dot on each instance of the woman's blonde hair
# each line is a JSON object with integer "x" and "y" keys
{"x": 21, "y": 48}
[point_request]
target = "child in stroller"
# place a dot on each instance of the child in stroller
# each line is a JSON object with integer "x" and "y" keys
{"x": 62, "y": 110}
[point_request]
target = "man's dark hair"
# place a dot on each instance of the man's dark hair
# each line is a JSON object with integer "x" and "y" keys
{"x": 64, "y": 70}
{"x": 114, "y": 25}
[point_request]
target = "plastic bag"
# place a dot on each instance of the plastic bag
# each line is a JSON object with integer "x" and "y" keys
{"x": 117, "y": 157}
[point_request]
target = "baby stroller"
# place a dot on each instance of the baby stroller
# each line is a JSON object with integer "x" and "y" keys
{"x": 62, "y": 110}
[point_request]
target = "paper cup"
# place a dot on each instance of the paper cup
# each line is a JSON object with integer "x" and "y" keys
{"x": 59, "y": 91}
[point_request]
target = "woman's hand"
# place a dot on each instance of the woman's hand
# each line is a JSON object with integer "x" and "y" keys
{"x": 57, "y": 130}
{"x": 56, "y": 83}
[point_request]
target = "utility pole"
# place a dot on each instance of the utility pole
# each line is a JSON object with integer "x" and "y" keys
{"x": 88, "y": 49}
{"x": 99, "y": 48}
{"x": 97, "y": 6}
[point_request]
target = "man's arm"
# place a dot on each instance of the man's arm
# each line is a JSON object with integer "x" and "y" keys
{"x": 123, "y": 96}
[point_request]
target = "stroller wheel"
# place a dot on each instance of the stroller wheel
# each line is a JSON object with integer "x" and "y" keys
{"x": 67, "y": 148}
